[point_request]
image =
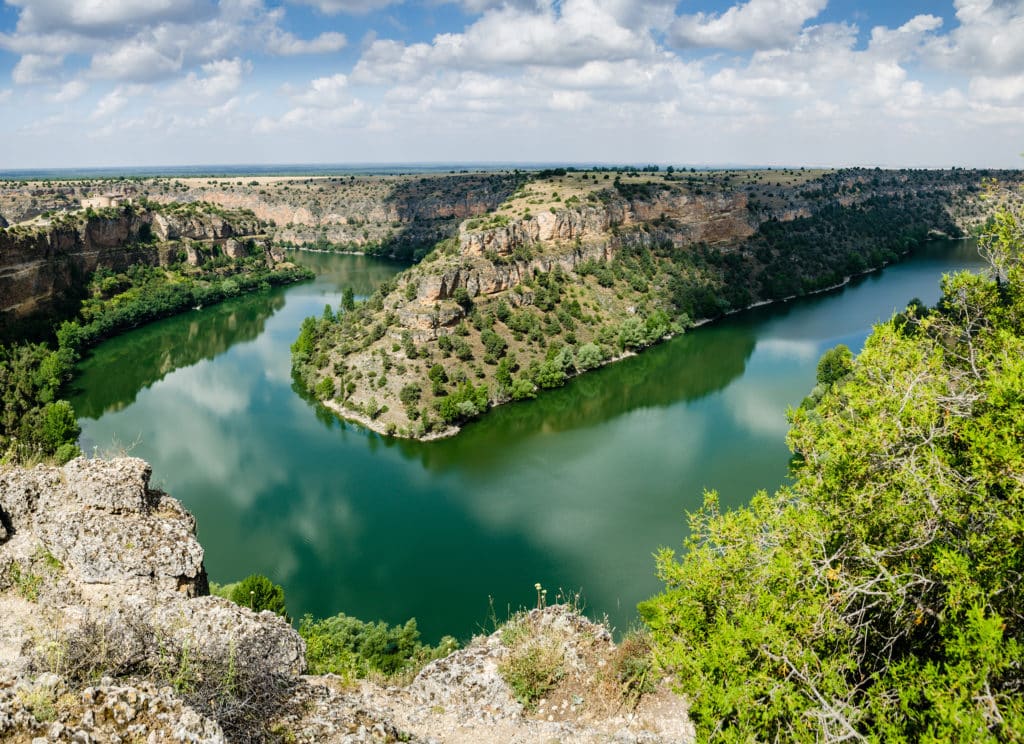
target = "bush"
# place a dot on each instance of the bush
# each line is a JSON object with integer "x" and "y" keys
{"x": 834, "y": 365}
{"x": 259, "y": 593}
{"x": 351, "y": 648}
{"x": 523, "y": 389}
{"x": 589, "y": 356}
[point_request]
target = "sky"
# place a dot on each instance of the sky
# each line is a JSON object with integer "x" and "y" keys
{"x": 916, "y": 83}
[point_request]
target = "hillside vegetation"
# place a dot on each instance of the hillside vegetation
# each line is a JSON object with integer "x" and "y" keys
{"x": 879, "y": 596}
{"x": 577, "y": 269}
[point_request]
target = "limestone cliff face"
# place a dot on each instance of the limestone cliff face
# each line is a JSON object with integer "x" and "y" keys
{"x": 201, "y": 227}
{"x": 356, "y": 212}
{"x": 44, "y": 264}
{"x": 717, "y": 218}
{"x": 39, "y": 265}
{"x": 571, "y": 236}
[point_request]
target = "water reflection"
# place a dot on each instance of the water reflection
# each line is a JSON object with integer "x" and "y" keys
{"x": 152, "y": 352}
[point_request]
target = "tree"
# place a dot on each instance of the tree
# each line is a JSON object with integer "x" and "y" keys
{"x": 259, "y": 593}
{"x": 348, "y": 299}
{"x": 589, "y": 356}
{"x": 834, "y": 365}
{"x": 461, "y": 296}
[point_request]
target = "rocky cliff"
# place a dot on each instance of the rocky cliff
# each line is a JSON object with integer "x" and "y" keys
{"x": 391, "y": 215}
{"x": 101, "y": 574}
{"x": 49, "y": 261}
{"x": 108, "y": 635}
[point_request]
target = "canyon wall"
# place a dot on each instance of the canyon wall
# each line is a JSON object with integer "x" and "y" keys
{"x": 47, "y": 262}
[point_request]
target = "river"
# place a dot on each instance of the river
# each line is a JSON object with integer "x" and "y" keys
{"x": 574, "y": 490}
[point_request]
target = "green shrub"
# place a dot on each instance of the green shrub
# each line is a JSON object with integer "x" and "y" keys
{"x": 589, "y": 356}
{"x": 259, "y": 593}
{"x": 352, "y": 648}
{"x": 834, "y": 365}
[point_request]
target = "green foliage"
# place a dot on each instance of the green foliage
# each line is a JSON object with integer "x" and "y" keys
{"x": 534, "y": 663}
{"x": 33, "y": 423}
{"x": 589, "y": 356}
{"x": 348, "y": 299}
{"x": 877, "y": 597}
{"x": 494, "y": 346}
{"x": 325, "y": 388}
{"x": 352, "y": 648}
{"x": 550, "y": 374}
{"x": 410, "y": 394}
{"x": 523, "y": 389}
{"x": 466, "y": 402}
{"x": 259, "y": 593}
{"x": 834, "y": 365}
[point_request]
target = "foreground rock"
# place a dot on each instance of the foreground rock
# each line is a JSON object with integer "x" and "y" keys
{"x": 109, "y": 635}
{"x": 106, "y": 631}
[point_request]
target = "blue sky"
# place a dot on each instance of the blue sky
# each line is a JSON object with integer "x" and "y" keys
{"x": 773, "y": 82}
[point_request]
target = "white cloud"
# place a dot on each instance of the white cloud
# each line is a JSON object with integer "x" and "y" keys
{"x": 756, "y": 24}
{"x": 136, "y": 60}
{"x": 324, "y": 92}
{"x": 570, "y": 100}
{"x": 287, "y": 44}
{"x": 356, "y": 7}
{"x": 571, "y": 34}
{"x": 105, "y": 16}
{"x": 220, "y": 79}
{"x": 110, "y": 104}
{"x": 148, "y": 40}
{"x": 5, "y": 95}
{"x": 70, "y": 91}
{"x": 326, "y": 102}
{"x": 351, "y": 114}
{"x": 906, "y": 42}
{"x": 1006, "y": 89}
{"x": 36, "y": 68}
{"x": 988, "y": 39}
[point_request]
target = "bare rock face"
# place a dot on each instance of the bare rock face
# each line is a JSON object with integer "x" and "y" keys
{"x": 117, "y": 487}
{"x": 234, "y": 249}
{"x": 100, "y": 571}
{"x": 99, "y": 713}
{"x": 214, "y": 626}
{"x": 106, "y": 526}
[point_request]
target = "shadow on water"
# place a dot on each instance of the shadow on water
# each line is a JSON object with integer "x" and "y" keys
{"x": 148, "y": 354}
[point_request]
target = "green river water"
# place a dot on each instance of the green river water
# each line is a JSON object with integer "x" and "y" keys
{"x": 575, "y": 490}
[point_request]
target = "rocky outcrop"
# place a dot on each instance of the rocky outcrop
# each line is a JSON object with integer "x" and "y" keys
{"x": 175, "y": 226}
{"x": 102, "y": 574}
{"x": 722, "y": 217}
{"x": 465, "y": 698}
{"x": 487, "y": 262}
